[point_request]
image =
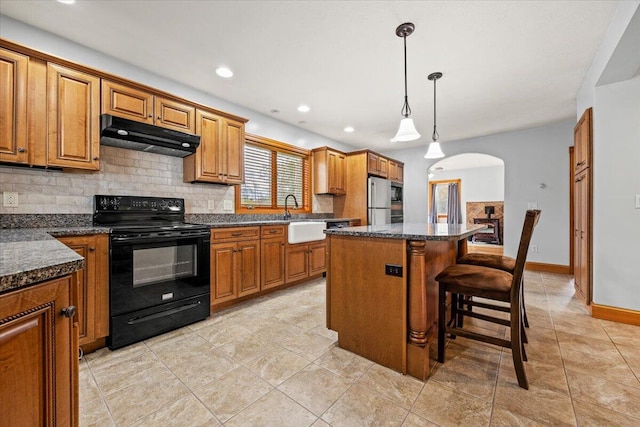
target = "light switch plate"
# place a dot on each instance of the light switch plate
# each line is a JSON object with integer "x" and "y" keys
{"x": 637, "y": 201}
{"x": 212, "y": 204}
{"x": 227, "y": 205}
{"x": 9, "y": 199}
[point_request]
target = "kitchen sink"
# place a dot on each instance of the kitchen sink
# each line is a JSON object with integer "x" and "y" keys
{"x": 306, "y": 231}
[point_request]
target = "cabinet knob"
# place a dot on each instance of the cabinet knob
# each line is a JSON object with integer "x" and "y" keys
{"x": 69, "y": 311}
{"x": 159, "y": 118}
{"x": 150, "y": 116}
{"x": 92, "y": 249}
{"x": 96, "y": 158}
{"x": 22, "y": 150}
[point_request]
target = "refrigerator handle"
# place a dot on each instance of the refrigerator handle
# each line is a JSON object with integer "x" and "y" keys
{"x": 373, "y": 195}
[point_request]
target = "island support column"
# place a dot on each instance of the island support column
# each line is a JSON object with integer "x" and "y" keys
{"x": 426, "y": 260}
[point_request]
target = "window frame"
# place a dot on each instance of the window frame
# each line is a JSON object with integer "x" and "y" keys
{"x": 281, "y": 147}
{"x": 432, "y": 184}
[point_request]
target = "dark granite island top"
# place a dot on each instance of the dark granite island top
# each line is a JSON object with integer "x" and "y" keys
{"x": 411, "y": 231}
{"x": 381, "y": 289}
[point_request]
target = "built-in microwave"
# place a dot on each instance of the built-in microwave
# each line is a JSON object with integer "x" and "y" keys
{"x": 397, "y": 215}
{"x": 396, "y": 192}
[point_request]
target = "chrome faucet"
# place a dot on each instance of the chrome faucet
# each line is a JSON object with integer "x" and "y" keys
{"x": 287, "y": 214}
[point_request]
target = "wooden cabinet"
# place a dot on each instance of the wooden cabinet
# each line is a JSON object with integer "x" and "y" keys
{"x": 360, "y": 166}
{"x": 38, "y": 356}
{"x": 91, "y": 286}
{"x": 272, "y": 252}
{"x": 329, "y": 171}
{"x": 220, "y": 156}
{"x": 13, "y": 106}
{"x": 146, "y": 107}
{"x": 582, "y": 207}
{"x": 582, "y": 235}
{"x": 73, "y": 118}
{"x": 305, "y": 259}
{"x": 377, "y": 165}
{"x": 582, "y": 137}
{"x": 396, "y": 171}
{"x": 235, "y": 263}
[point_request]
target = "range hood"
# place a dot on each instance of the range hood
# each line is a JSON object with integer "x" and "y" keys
{"x": 118, "y": 132}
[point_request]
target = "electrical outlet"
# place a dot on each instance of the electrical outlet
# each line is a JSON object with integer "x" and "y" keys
{"x": 228, "y": 205}
{"x": 9, "y": 199}
{"x": 637, "y": 201}
{"x": 211, "y": 205}
{"x": 532, "y": 205}
{"x": 534, "y": 249}
{"x": 393, "y": 270}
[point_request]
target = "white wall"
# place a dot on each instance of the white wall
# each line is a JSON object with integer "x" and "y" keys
{"x": 616, "y": 176}
{"x": 477, "y": 185}
{"x": 531, "y": 157}
{"x": 612, "y": 88}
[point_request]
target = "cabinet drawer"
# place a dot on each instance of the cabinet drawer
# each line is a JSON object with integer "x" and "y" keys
{"x": 272, "y": 231}
{"x": 236, "y": 233}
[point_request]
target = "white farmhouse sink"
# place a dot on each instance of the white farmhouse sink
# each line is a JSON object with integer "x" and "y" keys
{"x": 306, "y": 231}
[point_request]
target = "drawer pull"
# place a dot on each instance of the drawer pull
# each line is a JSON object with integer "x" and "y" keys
{"x": 236, "y": 234}
{"x": 92, "y": 249}
{"x": 21, "y": 150}
{"x": 274, "y": 231}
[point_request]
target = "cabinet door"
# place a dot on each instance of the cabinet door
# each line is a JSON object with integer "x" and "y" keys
{"x": 400, "y": 177}
{"x": 175, "y": 115}
{"x": 233, "y": 151}
{"x": 317, "y": 258}
{"x": 582, "y": 141}
{"x": 297, "y": 262}
{"x": 248, "y": 265}
{"x": 272, "y": 265}
{"x": 393, "y": 171}
{"x": 37, "y": 357}
{"x": 584, "y": 246}
{"x": 373, "y": 163}
{"x": 73, "y": 118}
{"x": 206, "y": 163}
{"x": 127, "y": 102}
{"x": 383, "y": 167}
{"x": 336, "y": 163}
{"x": 13, "y": 106}
{"x": 91, "y": 286}
{"x": 341, "y": 174}
{"x": 223, "y": 272}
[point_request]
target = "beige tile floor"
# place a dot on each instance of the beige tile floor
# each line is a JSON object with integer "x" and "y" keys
{"x": 271, "y": 362}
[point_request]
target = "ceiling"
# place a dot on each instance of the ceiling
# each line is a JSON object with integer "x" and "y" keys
{"x": 467, "y": 161}
{"x": 507, "y": 65}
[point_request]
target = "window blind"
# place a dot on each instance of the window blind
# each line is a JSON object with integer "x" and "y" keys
{"x": 256, "y": 190}
{"x": 290, "y": 178}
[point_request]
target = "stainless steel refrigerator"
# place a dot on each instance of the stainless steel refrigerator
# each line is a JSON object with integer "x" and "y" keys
{"x": 379, "y": 201}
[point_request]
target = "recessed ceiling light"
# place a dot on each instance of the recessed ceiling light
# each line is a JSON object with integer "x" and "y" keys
{"x": 67, "y": 1}
{"x": 304, "y": 108}
{"x": 349, "y": 129}
{"x": 224, "y": 72}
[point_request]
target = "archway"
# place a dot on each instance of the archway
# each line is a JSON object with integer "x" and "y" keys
{"x": 480, "y": 178}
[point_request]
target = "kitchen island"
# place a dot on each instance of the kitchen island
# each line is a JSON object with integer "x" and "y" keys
{"x": 381, "y": 289}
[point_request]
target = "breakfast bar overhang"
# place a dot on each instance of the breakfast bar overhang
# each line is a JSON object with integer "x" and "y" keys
{"x": 381, "y": 292}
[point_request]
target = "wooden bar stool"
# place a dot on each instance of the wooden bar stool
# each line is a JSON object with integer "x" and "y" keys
{"x": 470, "y": 281}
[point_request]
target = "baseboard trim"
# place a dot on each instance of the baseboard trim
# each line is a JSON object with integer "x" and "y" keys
{"x": 548, "y": 268}
{"x": 615, "y": 314}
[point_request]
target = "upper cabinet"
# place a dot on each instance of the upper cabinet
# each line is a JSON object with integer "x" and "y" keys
{"x": 73, "y": 118}
{"x": 220, "y": 155}
{"x": 146, "y": 107}
{"x": 377, "y": 165}
{"x": 13, "y": 106}
{"x": 582, "y": 135}
{"x": 329, "y": 171}
{"x": 396, "y": 171}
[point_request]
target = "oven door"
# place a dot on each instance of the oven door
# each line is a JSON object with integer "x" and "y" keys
{"x": 147, "y": 272}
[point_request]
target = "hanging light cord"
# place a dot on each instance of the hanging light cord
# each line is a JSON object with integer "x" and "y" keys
{"x": 435, "y": 135}
{"x": 406, "y": 110}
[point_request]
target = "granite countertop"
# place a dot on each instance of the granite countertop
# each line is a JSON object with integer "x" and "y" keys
{"x": 271, "y": 222}
{"x": 411, "y": 231}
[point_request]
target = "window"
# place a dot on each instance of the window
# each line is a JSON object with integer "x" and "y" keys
{"x": 439, "y": 196}
{"x": 273, "y": 170}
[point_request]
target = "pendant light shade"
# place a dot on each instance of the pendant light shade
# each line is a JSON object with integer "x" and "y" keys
{"x": 434, "y": 151}
{"x": 407, "y": 131}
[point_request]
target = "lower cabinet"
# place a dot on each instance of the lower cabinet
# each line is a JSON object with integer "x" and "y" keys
{"x": 39, "y": 356}
{"x": 305, "y": 259}
{"x": 235, "y": 264}
{"x": 91, "y": 285}
{"x": 272, "y": 248}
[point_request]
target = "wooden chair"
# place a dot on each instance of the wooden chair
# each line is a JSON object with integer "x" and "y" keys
{"x": 470, "y": 281}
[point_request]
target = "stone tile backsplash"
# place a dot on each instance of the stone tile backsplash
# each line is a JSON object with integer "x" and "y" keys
{"x": 122, "y": 172}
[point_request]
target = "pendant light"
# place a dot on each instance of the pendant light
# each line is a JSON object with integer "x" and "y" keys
{"x": 434, "y": 151}
{"x": 407, "y": 131}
